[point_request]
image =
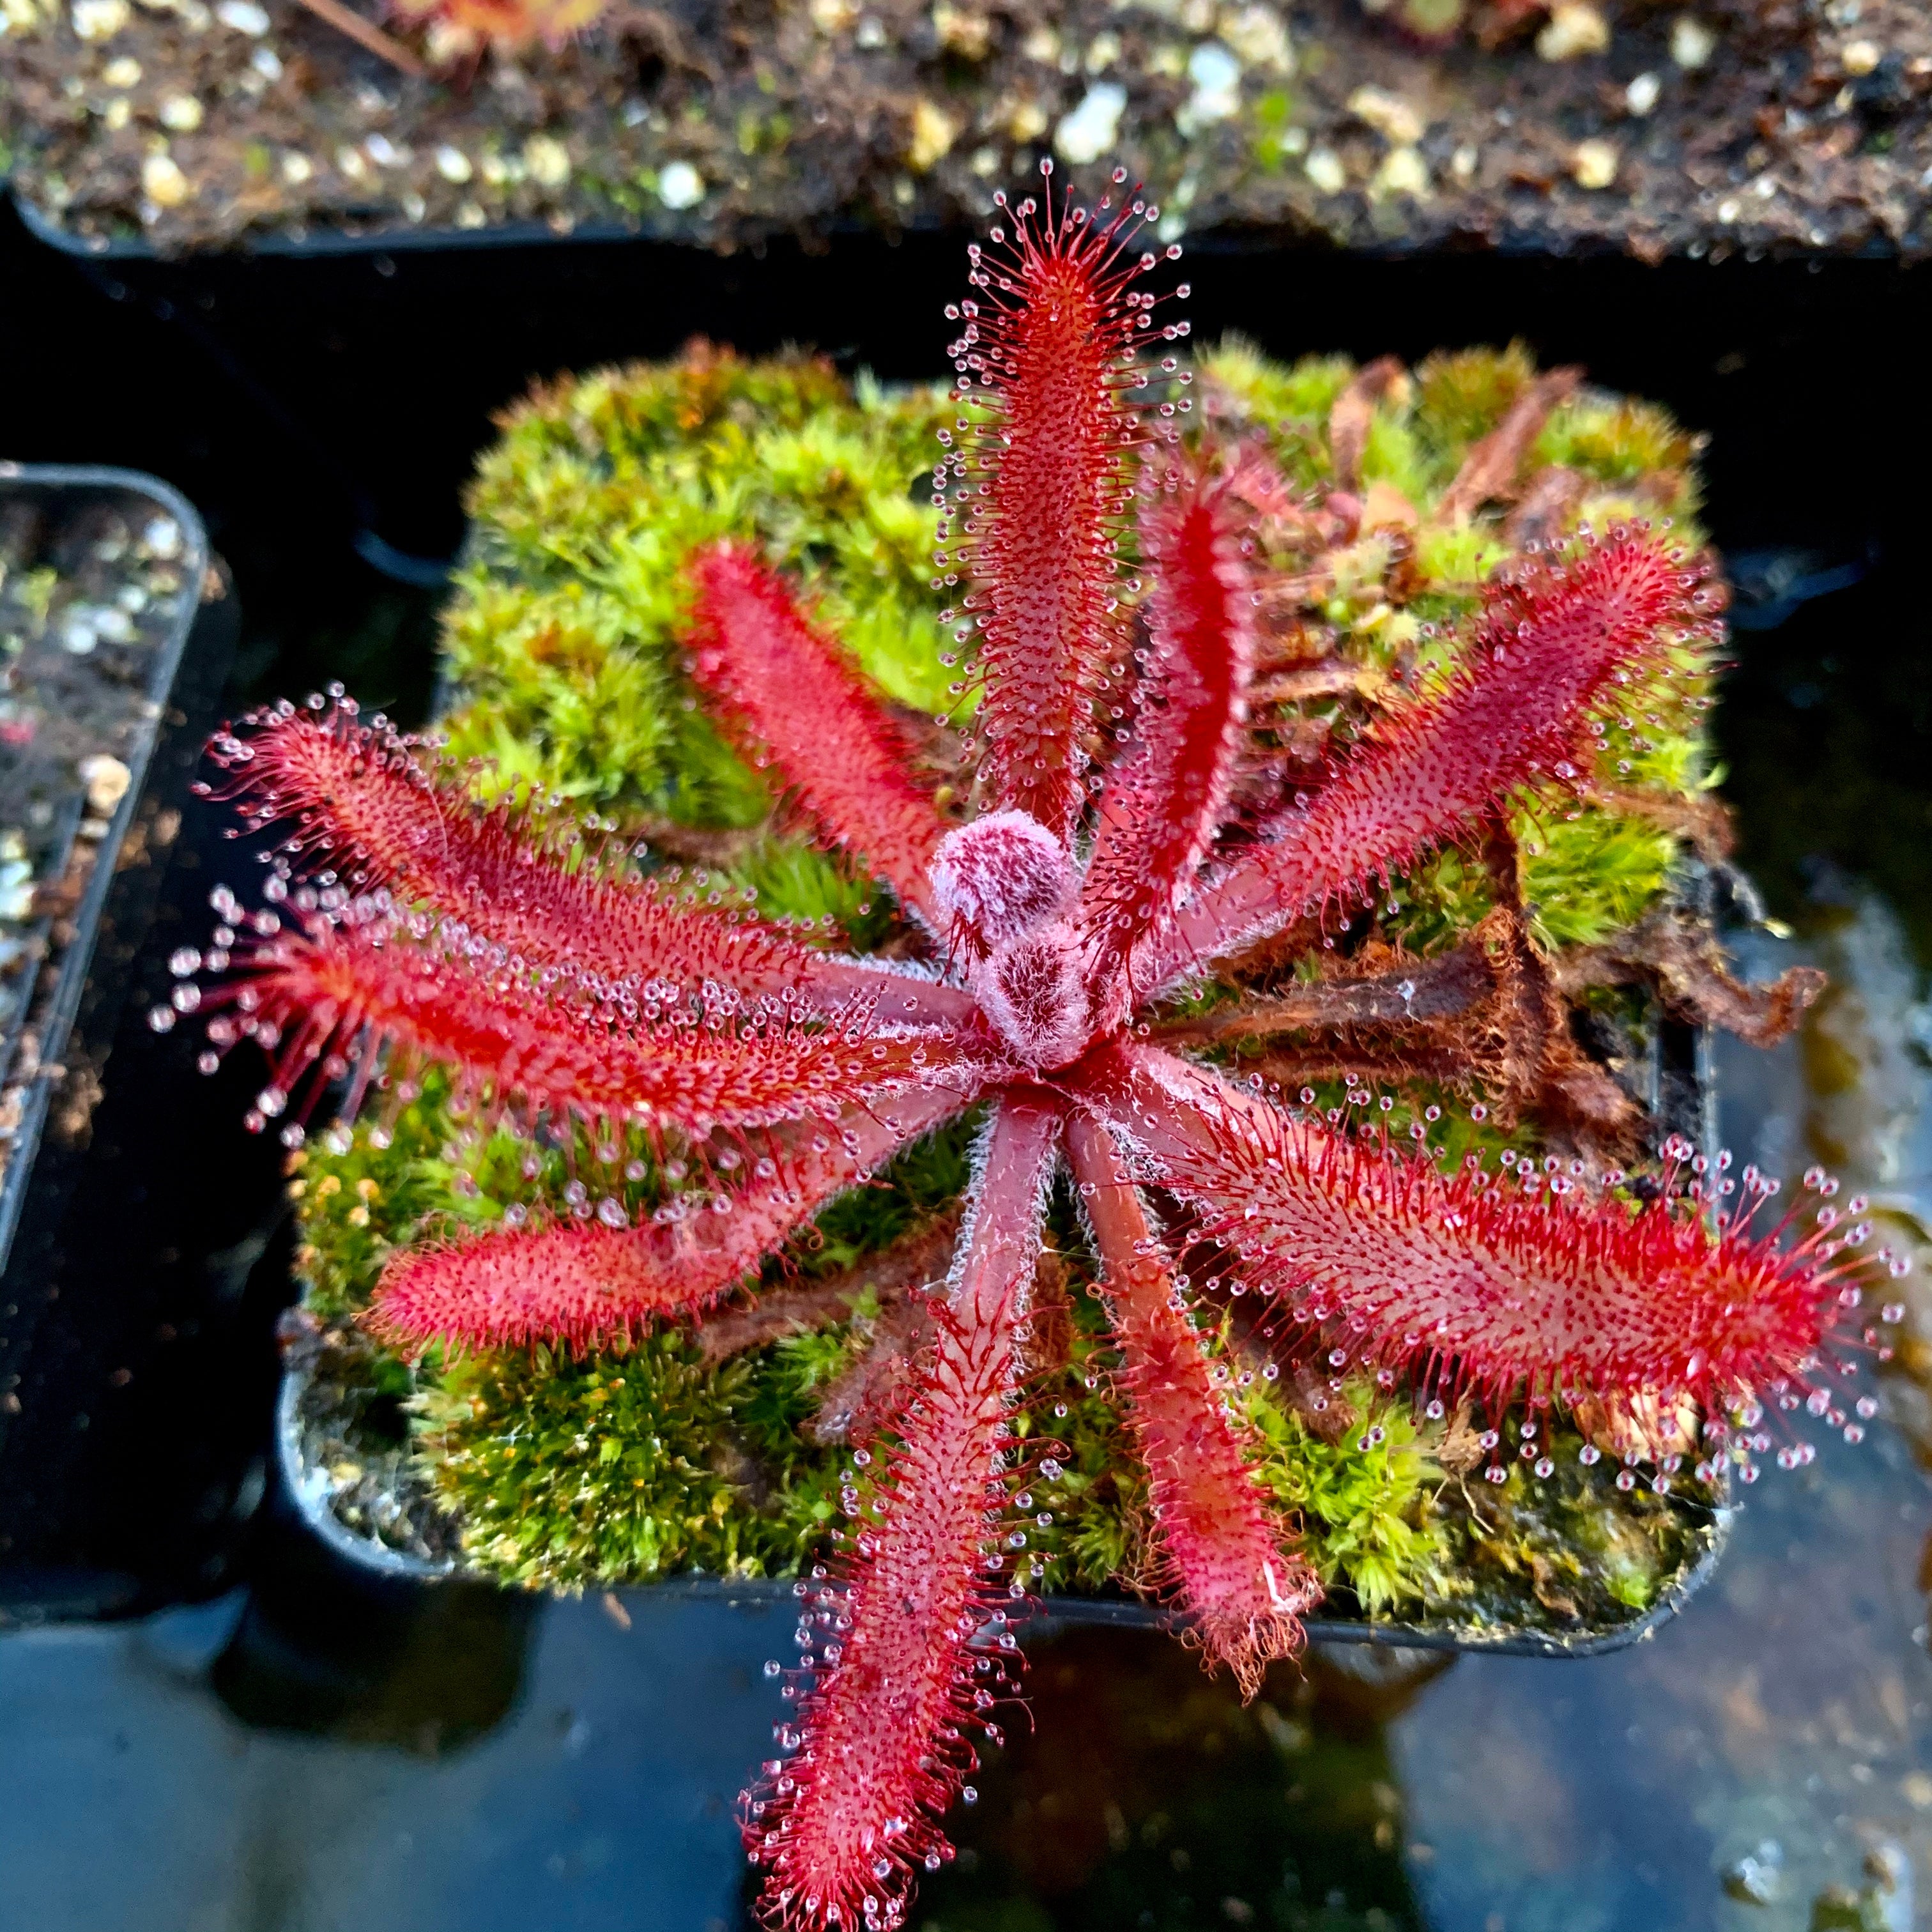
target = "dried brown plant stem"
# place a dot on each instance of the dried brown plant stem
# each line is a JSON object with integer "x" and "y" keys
{"x": 1547, "y": 507}
{"x": 916, "y": 1260}
{"x": 1491, "y": 468}
{"x": 367, "y": 33}
{"x": 1670, "y": 952}
{"x": 1354, "y": 411}
{"x": 1331, "y": 678}
{"x": 1450, "y": 986}
{"x": 1702, "y": 820}
{"x": 1580, "y": 1104}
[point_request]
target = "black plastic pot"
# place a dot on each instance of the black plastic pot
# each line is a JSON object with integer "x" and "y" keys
{"x": 307, "y": 1488}
{"x": 320, "y": 243}
{"x": 59, "y": 495}
{"x": 55, "y": 1054}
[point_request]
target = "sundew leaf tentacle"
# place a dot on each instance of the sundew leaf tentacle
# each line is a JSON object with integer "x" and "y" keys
{"x": 1241, "y": 1587}
{"x": 1044, "y": 352}
{"x": 355, "y": 991}
{"x": 897, "y": 1671}
{"x": 1165, "y": 798}
{"x": 354, "y": 801}
{"x": 788, "y": 690}
{"x": 1501, "y": 1285}
{"x": 1553, "y": 639}
{"x": 586, "y": 1285}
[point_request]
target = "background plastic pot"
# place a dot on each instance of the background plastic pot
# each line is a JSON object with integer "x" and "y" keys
{"x": 100, "y": 862}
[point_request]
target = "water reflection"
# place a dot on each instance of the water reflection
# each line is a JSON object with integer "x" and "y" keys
{"x": 134, "y": 1799}
{"x": 1148, "y": 1797}
{"x": 323, "y": 1651}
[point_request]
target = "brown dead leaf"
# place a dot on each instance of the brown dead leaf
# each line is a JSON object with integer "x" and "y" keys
{"x": 1353, "y": 411}
{"x": 1489, "y": 470}
{"x": 1672, "y": 953}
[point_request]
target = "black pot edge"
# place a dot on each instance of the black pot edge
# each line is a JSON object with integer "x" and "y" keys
{"x": 333, "y": 244}
{"x": 78, "y": 959}
{"x": 310, "y": 1497}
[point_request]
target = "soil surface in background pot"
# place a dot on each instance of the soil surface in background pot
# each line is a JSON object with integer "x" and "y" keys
{"x": 89, "y": 595}
{"x": 1752, "y": 124}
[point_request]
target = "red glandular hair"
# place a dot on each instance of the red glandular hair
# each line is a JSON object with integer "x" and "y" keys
{"x": 1042, "y": 490}
{"x": 792, "y": 696}
{"x": 1165, "y": 800}
{"x": 364, "y": 988}
{"x": 897, "y": 1670}
{"x": 1554, "y": 640}
{"x": 1496, "y": 1285}
{"x": 1225, "y": 1557}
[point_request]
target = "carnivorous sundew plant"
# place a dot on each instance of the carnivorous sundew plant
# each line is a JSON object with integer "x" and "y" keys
{"x": 1206, "y": 955}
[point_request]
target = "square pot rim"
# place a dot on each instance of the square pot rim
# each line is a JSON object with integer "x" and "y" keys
{"x": 331, "y": 243}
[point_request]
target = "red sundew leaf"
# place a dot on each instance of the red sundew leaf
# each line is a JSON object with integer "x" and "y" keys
{"x": 1043, "y": 504}
{"x": 695, "y": 1069}
{"x": 356, "y": 799}
{"x": 786, "y": 688}
{"x": 1473, "y": 1279}
{"x": 586, "y": 1285}
{"x": 881, "y": 1748}
{"x": 1228, "y": 1562}
{"x": 1163, "y": 801}
{"x": 1552, "y": 643}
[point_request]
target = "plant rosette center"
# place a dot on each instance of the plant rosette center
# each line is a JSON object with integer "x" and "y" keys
{"x": 1010, "y": 890}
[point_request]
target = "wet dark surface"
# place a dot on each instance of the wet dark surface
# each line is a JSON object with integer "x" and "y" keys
{"x": 301, "y": 1748}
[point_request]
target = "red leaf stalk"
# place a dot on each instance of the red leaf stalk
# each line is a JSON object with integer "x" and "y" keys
{"x": 1498, "y": 1284}
{"x": 1164, "y": 801}
{"x": 899, "y": 1671}
{"x": 791, "y": 694}
{"x": 590, "y": 1285}
{"x": 1553, "y": 642}
{"x": 354, "y": 799}
{"x": 1242, "y": 1588}
{"x": 1043, "y": 493}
